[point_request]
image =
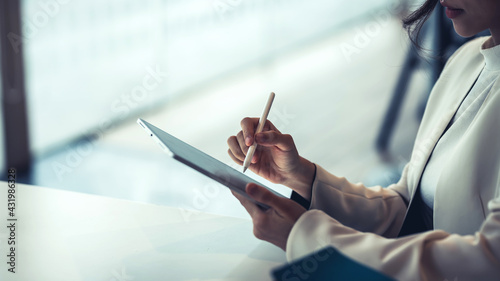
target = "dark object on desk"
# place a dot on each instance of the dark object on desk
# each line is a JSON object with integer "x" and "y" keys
{"x": 327, "y": 264}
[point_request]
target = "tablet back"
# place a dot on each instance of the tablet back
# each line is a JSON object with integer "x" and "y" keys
{"x": 201, "y": 162}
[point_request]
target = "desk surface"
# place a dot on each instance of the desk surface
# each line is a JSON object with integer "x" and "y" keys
{"x": 62, "y": 235}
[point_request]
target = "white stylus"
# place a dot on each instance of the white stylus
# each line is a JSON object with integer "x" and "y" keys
{"x": 262, "y": 122}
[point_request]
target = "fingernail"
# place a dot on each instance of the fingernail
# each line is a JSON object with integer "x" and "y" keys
{"x": 248, "y": 141}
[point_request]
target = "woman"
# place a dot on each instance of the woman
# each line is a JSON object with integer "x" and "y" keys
{"x": 442, "y": 219}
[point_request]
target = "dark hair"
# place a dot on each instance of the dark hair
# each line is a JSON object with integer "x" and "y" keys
{"x": 413, "y": 22}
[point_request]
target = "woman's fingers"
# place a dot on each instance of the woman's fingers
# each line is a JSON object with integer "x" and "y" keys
{"x": 272, "y": 138}
{"x": 235, "y": 149}
{"x": 283, "y": 206}
{"x": 248, "y": 127}
{"x": 238, "y": 149}
{"x": 241, "y": 142}
{"x": 251, "y": 208}
{"x": 236, "y": 160}
{"x": 257, "y": 154}
{"x": 272, "y": 225}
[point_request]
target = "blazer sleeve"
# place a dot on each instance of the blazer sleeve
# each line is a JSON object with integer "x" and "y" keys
{"x": 376, "y": 209}
{"x": 433, "y": 255}
{"x": 368, "y": 209}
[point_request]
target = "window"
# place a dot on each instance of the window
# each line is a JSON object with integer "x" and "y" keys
{"x": 91, "y": 64}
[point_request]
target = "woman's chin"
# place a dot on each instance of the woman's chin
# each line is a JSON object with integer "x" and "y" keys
{"x": 464, "y": 31}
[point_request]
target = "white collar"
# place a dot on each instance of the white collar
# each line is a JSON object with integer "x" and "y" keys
{"x": 491, "y": 57}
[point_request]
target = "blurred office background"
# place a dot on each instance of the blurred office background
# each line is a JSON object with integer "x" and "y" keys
{"x": 195, "y": 69}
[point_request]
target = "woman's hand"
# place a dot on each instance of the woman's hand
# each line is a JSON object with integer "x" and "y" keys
{"x": 274, "y": 224}
{"x": 276, "y": 158}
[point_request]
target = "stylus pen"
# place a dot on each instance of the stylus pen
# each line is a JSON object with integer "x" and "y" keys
{"x": 262, "y": 122}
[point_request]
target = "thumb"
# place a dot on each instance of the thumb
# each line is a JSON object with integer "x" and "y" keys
{"x": 272, "y": 138}
{"x": 261, "y": 194}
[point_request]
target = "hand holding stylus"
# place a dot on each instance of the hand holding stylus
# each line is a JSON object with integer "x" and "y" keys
{"x": 262, "y": 121}
{"x": 277, "y": 158}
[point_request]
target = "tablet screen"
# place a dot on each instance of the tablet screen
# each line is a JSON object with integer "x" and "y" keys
{"x": 202, "y": 162}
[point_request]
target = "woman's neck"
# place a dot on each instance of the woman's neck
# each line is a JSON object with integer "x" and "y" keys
{"x": 494, "y": 39}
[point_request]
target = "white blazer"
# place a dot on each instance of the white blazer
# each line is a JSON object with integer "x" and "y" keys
{"x": 363, "y": 222}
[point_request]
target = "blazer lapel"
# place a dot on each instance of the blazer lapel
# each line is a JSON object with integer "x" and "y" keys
{"x": 458, "y": 87}
{"x": 461, "y": 88}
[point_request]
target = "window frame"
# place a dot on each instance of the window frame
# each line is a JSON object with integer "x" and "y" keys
{"x": 15, "y": 124}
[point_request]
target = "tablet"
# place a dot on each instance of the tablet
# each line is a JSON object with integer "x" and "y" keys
{"x": 201, "y": 162}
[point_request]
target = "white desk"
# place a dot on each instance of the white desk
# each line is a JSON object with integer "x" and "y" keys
{"x": 63, "y": 235}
